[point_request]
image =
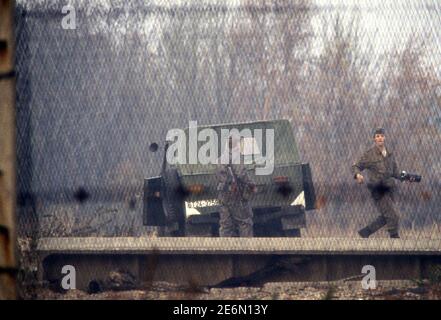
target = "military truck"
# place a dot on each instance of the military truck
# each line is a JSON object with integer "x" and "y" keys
{"x": 182, "y": 201}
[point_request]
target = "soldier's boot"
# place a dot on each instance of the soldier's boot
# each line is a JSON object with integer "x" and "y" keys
{"x": 373, "y": 227}
{"x": 365, "y": 232}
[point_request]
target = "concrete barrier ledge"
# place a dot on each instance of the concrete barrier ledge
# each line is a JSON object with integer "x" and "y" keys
{"x": 258, "y": 246}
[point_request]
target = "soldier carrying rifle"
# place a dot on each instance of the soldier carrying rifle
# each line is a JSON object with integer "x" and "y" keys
{"x": 382, "y": 169}
{"x": 234, "y": 190}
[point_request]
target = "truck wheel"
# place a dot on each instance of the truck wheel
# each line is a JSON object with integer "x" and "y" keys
{"x": 173, "y": 203}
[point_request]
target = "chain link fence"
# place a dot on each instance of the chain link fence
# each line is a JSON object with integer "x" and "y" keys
{"x": 92, "y": 100}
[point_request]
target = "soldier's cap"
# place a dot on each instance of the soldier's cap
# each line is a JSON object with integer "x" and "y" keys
{"x": 378, "y": 131}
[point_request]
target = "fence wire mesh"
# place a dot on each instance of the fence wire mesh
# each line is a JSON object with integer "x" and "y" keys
{"x": 92, "y": 101}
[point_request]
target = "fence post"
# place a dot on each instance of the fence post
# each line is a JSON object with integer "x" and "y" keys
{"x": 8, "y": 264}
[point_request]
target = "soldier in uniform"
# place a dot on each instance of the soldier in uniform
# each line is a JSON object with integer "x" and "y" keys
{"x": 234, "y": 189}
{"x": 382, "y": 169}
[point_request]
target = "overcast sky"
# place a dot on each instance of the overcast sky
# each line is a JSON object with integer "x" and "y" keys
{"x": 388, "y": 23}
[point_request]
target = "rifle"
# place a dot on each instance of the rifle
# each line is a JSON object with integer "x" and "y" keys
{"x": 238, "y": 186}
{"x": 235, "y": 185}
{"x": 405, "y": 176}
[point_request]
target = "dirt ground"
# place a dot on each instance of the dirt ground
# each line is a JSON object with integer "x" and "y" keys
{"x": 352, "y": 290}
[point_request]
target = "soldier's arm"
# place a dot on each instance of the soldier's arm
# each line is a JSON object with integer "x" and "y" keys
{"x": 361, "y": 164}
{"x": 222, "y": 177}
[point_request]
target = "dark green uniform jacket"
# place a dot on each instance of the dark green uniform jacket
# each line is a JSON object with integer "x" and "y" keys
{"x": 381, "y": 170}
{"x": 225, "y": 182}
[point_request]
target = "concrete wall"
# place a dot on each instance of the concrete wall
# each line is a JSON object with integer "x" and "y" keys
{"x": 234, "y": 270}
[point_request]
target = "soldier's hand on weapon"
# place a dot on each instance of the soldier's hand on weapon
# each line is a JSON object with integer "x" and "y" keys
{"x": 359, "y": 178}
